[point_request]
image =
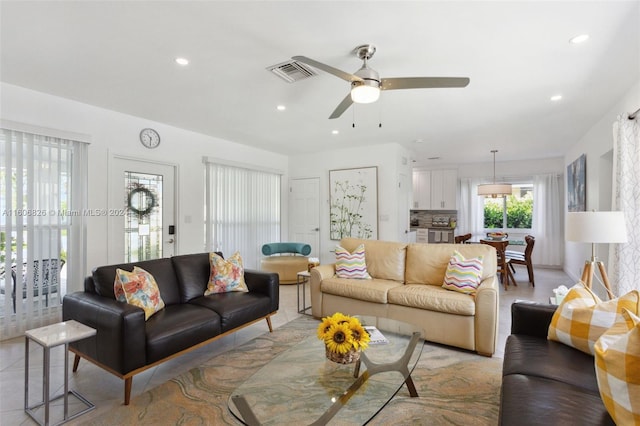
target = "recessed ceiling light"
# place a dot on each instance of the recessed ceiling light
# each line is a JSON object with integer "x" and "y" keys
{"x": 182, "y": 61}
{"x": 579, "y": 39}
{"x": 335, "y": 132}
{"x": 281, "y": 107}
{"x": 556, "y": 98}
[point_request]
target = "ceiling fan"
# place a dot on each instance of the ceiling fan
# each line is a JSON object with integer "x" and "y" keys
{"x": 366, "y": 84}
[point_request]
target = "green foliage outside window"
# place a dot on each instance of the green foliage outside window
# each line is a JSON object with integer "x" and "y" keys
{"x": 519, "y": 213}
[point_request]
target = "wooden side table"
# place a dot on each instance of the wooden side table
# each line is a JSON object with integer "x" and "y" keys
{"x": 48, "y": 337}
{"x": 302, "y": 279}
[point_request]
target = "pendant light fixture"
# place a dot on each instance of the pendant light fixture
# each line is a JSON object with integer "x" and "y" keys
{"x": 494, "y": 189}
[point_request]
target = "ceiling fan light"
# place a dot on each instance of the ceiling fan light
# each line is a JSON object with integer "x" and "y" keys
{"x": 495, "y": 190}
{"x": 363, "y": 94}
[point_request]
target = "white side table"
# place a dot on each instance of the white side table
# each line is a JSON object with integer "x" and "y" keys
{"x": 302, "y": 279}
{"x": 48, "y": 337}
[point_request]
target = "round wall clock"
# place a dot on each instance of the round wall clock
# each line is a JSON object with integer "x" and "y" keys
{"x": 149, "y": 138}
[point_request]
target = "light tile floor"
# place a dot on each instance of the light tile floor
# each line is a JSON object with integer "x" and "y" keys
{"x": 105, "y": 390}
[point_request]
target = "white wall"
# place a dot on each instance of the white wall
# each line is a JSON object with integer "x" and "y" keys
{"x": 597, "y": 144}
{"x": 391, "y": 160}
{"x": 114, "y": 133}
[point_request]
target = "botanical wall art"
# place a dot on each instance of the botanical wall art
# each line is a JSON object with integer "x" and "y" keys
{"x": 577, "y": 185}
{"x": 354, "y": 203}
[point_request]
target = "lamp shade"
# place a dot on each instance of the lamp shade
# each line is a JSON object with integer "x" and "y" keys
{"x": 494, "y": 189}
{"x": 596, "y": 227}
{"x": 364, "y": 94}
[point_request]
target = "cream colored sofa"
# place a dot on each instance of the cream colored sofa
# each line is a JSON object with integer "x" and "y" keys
{"x": 406, "y": 285}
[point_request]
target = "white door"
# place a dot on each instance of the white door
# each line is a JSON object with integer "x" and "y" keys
{"x": 141, "y": 210}
{"x": 304, "y": 213}
{"x": 403, "y": 207}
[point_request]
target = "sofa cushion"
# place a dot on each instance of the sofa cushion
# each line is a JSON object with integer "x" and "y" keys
{"x": 463, "y": 275}
{"x": 193, "y": 272}
{"x": 618, "y": 369}
{"x": 535, "y": 356}
{"x": 351, "y": 264}
{"x": 161, "y": 269}
{"x": 385, "y": 259}
{"x": 235, "y": 308}
{"x": 226, "y": 275}
{"x": 140, "y": 289}
{"x": 427, "y": 263}
{"x": 432, "y": 298}
{"x": 582, "y": 317}
{"x": 178, "y": 327}
{"x": 295, "y": 248}
{"x": 369, "y": 290}
{"x": 532, "y": 400}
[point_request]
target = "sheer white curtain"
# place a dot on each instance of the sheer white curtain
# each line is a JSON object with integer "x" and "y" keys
{"x": 471, "y": 207}
{"x": 547, "y": 220}
{"x": 624, "y": 259}
{"x": 242, "y": 210}
{"x": 42, "y": 230}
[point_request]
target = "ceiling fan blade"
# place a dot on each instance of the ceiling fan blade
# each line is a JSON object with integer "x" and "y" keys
{"x": 422, "y": 82}
{"x": 344, "y": 105}
{"x": 331, "y": 70}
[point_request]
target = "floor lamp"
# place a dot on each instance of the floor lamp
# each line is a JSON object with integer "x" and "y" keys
{"x": 596, "y": 228}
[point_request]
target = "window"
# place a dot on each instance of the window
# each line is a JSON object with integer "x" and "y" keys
{"x": 512, "y": 212}
{"x": 242, "y": 210}
{"x": 42, "y": 199}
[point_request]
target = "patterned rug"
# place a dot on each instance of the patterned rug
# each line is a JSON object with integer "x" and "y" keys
{"x": 456, "y": 387}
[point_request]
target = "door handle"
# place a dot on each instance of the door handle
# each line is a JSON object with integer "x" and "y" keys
{"x": 170, "y": 241}
{"x": 316, "y": 229}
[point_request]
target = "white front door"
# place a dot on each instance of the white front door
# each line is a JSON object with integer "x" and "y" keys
{"x": 304, "y": 213}
{"x": 141, "y": 210}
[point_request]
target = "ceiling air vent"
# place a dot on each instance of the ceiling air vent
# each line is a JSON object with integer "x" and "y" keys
{"x": 292, "y": 71}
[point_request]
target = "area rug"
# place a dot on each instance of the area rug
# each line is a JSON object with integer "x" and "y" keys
{"x": 456, "y": 387}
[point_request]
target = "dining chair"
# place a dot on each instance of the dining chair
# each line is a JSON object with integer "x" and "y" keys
{"x": 462, "y": 239}
{"x": 46, "y": 279}
{"x": 520, "y": 258}
{"x": 503, "y": 270}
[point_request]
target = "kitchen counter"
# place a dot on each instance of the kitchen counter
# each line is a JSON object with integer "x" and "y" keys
{"x": 434, "y": 234}
{"x": 441, "y": 228}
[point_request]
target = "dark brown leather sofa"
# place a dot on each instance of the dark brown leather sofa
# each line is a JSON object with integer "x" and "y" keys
{"x": 126, "y": 345}
{"x": 546, "y": 382}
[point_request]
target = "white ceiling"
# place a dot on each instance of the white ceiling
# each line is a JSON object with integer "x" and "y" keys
{"x": 120, "y": 55}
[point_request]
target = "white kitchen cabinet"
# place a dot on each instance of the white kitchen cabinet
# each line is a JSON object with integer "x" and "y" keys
{"x": 422, "y": 235}
{"x": 421, "y": 190}
{"x": 444, "y": 187}
{"x": 440, "y": 236}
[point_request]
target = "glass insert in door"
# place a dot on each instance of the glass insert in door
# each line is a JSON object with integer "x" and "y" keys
{"x": 143, "y": 222}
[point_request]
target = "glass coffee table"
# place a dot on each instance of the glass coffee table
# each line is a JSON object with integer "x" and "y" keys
{"x": 301, "y": 386}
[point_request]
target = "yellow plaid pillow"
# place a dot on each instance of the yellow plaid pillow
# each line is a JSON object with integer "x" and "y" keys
{"x": 618, "y": 369}
{"x": 582, "y": 317}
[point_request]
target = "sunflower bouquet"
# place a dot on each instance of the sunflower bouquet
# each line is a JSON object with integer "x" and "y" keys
{"x": 344, "y": 337}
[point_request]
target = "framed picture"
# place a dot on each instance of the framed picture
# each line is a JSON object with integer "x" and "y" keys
{"x": 577, "y": 184}
{"x": 353, "y": 203}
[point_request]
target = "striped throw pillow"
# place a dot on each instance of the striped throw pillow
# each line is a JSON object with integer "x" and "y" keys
{"x": 463, "y": 275}
{"x": 582, "y": 317}
{"x": 351, "y": 265}
{"x": 618, "y": 369}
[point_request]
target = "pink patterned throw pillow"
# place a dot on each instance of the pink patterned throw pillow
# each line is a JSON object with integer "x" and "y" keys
{"x": 351, "y": 265}
{"x": 463, "y": 275}
{"x": 226, "y": 275}
{"x": 140, "y": 289}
